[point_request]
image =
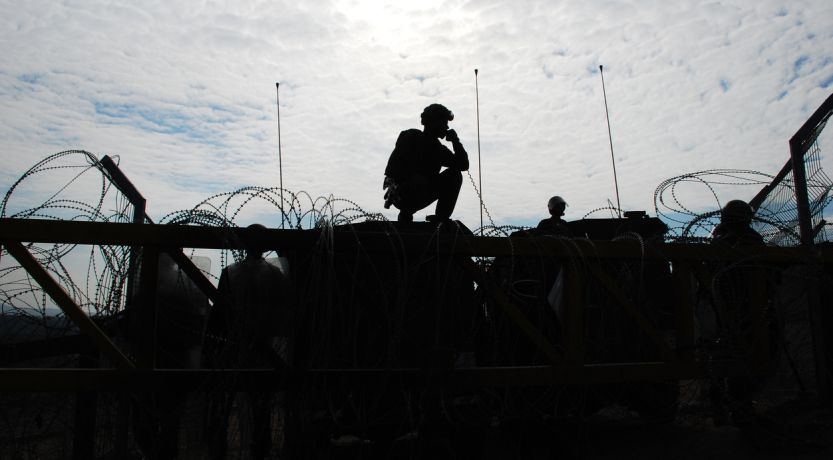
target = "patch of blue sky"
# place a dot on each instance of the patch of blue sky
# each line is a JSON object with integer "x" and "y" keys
{"x": 797, "y": 66}
{"x": 677, "y": 222}
{"x": 185, "y": 181}
{"x": 826, "y": 82}
{"x": 258, "y": 136}
{"x": 30, "y": 78}
{"x": 19, "y": 201}
{"x": 523, "y": 222}
{"x": 113, "y": 110}
{"x": 270, "y": 220}
{"x": 230, "y": 112}
{"x": 157, "y": 121}
{"x": 800, "y": 63}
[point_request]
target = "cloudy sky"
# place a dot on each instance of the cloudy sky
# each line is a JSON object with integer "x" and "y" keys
{"x": 184, "y": 92}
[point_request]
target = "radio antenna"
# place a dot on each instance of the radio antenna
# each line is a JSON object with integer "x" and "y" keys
{"x": 479, "y": 169}
{"x": 610, "y": 138}
{"x": 280, "y": 165}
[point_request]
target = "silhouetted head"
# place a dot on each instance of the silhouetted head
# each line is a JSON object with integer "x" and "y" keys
{"x": 435, "y": 118}
{"x": 556, "y": 206}
{"x": 255, "y": 250}
{"x": 736, "y": 212}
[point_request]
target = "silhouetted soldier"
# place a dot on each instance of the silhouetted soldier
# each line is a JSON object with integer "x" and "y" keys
{"x": 256, "y": 323}
{"x": 738, "y": 317}
{"x": 735, "y": 227}
{"x": 413, "y": 179}
{"x": 554, "y": 225}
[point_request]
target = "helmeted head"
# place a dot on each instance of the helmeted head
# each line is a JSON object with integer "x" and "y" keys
{"x": 435, "y": 118}
{"x": 254, "y": 250}
{"x": 436, "y": 112}
{"x": 556, "y": 206}
{"x": 736, "y": 212}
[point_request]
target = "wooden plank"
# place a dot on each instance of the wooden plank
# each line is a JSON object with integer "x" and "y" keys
{"x": 502, "y": 300}
{"x": 195, "y": 274}
{"x": 209, "y": 380}
{"x": 65, "y": 302}
{"x": 59, "y": 346}
{"x": 644, "y": 324}
{"x": 573, "y": 314}
{"x": 86, "y": 407}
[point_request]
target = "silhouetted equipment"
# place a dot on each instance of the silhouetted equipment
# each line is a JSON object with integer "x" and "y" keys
{"x": 636, "y": 222}
{"x": 280, "y": 159}
{"x": 543, "y": 286}
{"x": 479, "y": 161}
{"x": 610, "y": 138}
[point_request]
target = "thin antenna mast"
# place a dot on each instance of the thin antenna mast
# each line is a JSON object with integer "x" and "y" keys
{"x": 610, "y": 138}
{"x": 280, "y": 165}
{"x": 479, "y": 169}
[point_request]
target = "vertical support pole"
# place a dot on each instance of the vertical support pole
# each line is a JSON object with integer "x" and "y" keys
{"x": 684, "y": 310}
{"x": 86, "y": 406}
{"x": 817, "y": 316}
{"x": 122, "y": 425}
{"x": 801, "y": 194}
{"x": 139, "y": 203}
{"x": 805, "y": 223}
{"x": 758, "y": 334}
{"x": 138, "y": 218}
{"x": 573, "y": 314}
{"x": 143, "y": 335}
{"x": 147, "y": 307}
{"x": 131, "y": 290}
{"x": 826, "y": 324}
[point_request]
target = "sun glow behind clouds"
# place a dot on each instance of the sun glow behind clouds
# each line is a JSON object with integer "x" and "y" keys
{"x": 396, "y": 25}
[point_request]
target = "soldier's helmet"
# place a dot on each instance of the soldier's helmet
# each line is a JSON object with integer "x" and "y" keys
{"x": 736, "y": 212}
{"x": 554, "y": 201}
{"x": 436, "y": 112}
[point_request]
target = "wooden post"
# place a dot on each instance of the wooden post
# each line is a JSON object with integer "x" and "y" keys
{"x": 684, "y": 310}
{"x": 147, "y": 308}
{"x": 573, "y": 314}
{"x": 86, "y": 407}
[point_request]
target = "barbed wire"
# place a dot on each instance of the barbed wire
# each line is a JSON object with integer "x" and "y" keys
{"x": 96, "y": 276}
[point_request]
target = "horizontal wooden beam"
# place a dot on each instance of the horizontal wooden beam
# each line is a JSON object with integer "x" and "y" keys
{"x": 11, "y": 353}
{"x": 347, "y": 238}
{"x": 208, "y": 380}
